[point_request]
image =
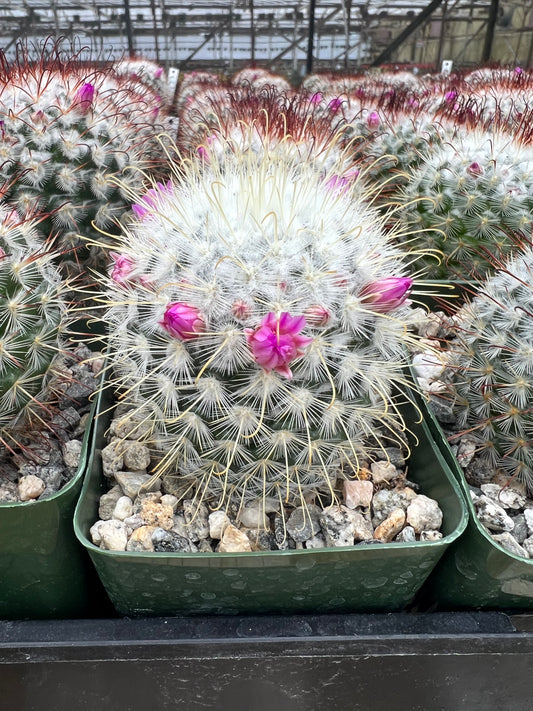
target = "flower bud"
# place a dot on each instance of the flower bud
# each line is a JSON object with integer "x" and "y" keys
{"x": 317, "y": 315}
{"x": 373, "y": 120}
{"x": 84, "y": 97}
{"x": 122, "y": 268}
{"x": 386, "y": 294}
{"x": 182, "y": 321}
{"x": 475, "y": 169}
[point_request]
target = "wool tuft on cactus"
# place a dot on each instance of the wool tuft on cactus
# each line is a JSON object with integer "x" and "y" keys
{"x": 33, "y": 317}
{"x": 491, "y": 367}
{"x": 257, "y": 326}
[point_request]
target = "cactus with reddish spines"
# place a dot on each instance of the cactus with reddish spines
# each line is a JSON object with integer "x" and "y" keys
{"x": 66, "y": 131}
{"x": 258, "y": 321}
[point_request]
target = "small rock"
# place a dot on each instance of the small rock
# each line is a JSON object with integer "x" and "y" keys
{"x": 196, "y": 519}
{"x": 123, "y": 508}
{"x": 428, "y": 365}
{"x": 94, "y": 533}
{"x": 442, "y": 409}
{"x": 363, "y": 529}
{"x": 253, "y": 516}
{"x": 384, "y": 502}
{"x": 357, "y": 493}
{"x": 338, "y": 526}
{"x": 170, "y": 542}
{"x": 317, "y": 541}
{"x": 520, "y": 532}
{"x": 281, "y": 536}
{"x": 30, "y": 487}
{"x": 424, "y": 514}
{"x": 466, "y": 450}
{"x": 406, "y": 535}
{"x": 507, "y": 498}
{"x": 156, "y": 514}
{"x": 8, "y": 492}
{"x": 108, "y": 501}
{"x": 130, "y": 425}
{"x": 391, "y": 526}
{"x": 304, "y": 523}
{"x": 136, "y": 456}
{"x": 479, "y": 472}
{"x": 260, "y": 539}
{"x": 218, "y": 520}
{"x": 430, "y": 536}
{"x": 141, "y": 539}
{"x": 133, "y": 484}
{"x": 528, "y": 515}
{"x": 492, "y": 515}
{"x": 113, "y": 535}
{"x": 112, "y": 459}
{"x": 72, "y": 453}
{"x": 527, "y": 545}
{"x": 508, "y": 542}
{"x": 169, "y": 500}
{"x": 133, "y": 522}
{"x": 234, "y": 541}
{"x": 383, "y": 471}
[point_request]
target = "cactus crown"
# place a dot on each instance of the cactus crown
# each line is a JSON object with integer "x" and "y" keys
{"x": 492, "y": 366}
{"x": 257, "y": 320}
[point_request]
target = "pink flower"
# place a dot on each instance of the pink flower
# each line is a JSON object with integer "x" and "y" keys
{"x": 84, "y": 97}
{"x": 335, "y": 105}
{"x": 150, "y": 199}
{"x": 182, "y": 321}
{"x": 373, "y": 120}
{"x": 276, "y": 342}
{"x": 518, "y": 70}
{"x": 241, "y": 309}
{"x": 450, "y": 96}
{"x": 122, "y": 268}
{"x": 316, "y": 98}
{"x": 337, "y": 184}
{"x": 386, "y": 294}
{"x": 203, "y": 154}
{"x": 158, "y": 73}
{"x": 475, "y": 169}
{"x": 317, "y": 315}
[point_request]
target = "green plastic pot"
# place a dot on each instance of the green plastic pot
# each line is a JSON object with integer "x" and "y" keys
{"x": 44, "y": 572}
{"x": 373, "y": 577}
{"x": 476, "y": 572}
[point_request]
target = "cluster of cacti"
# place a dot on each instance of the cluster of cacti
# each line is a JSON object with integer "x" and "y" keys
{"x": 66, "y": 131}
{"x": 257, "y": 325}
{"x": 471, "y": 198}
{"x": 33, "y": 318}
{"x": 491, "y": 368}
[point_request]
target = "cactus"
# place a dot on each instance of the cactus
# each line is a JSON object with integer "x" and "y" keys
{"x": 33, "y": 318}
{"x": 65, "y": 130}
{"x": 468, "y": 199}
{"x": 491, "y": 366}
{"x": 257, "y": 323}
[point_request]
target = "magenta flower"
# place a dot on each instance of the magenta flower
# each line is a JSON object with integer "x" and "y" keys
{"x": 150, "y": 199}
{"x": 335, "y": 105}
{"x": 450, "y": 96}
{"x": 475, "y": 169}
{"x": 277, "y": 342}
{"x": 84, "y": 97}
{"x": 337, "y": 184}
{"x": 158, "y": 73}
{"x": 386, "y": 294}
{"x": 316, "y": 98}
{"x": 122, "y": 268}
{"x": 373, "y": 120}
{"x": 182, "y": 321}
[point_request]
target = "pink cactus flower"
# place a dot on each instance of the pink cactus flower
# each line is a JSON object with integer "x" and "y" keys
{"x": 334, "y": 105}
{"x": 475, "y": 169}
{"x": 182, "y": 321}
{"x": 316, "y": 98}
{"x": 386, "y": 294}
{"x": 277, "y": 342}
{"x": 150, "y": 199}
{"x": 122, "y": 268}
{"x": 202, "y": 153}
{"x": 158, "y": 73}
{"x": 518, "y": 71}
{"x": 337, "y": 184}
{"x": 84, "y": 97}
{"x": 450, "y": 96}
{"x": 373, "y": 120}
{"x": 317, "y": 315}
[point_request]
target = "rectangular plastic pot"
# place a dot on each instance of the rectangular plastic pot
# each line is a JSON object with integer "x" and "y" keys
{"x": 373, "y": 577}
{"x": 476, "y": 572}
{"x": 44, "y": 571}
